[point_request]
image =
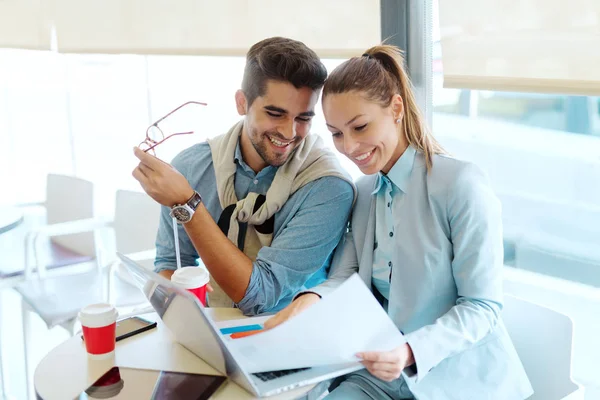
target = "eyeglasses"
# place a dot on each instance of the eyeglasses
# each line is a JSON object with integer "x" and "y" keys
{"x": 156, "y": 136}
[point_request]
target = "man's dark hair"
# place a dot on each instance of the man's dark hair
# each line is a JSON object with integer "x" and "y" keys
{"x": 284, "y": 60}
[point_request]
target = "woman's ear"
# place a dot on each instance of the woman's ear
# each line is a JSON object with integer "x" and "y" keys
{"x": 241, "y": 103}
{"x": 397, "y": 108}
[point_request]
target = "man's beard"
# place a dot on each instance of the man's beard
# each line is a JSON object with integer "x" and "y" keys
{"x": 265, "y": 151}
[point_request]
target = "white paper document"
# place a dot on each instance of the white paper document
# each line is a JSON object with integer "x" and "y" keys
{"x": 347, "y": 321}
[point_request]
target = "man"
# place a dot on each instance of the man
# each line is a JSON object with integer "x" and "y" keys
{"x": 264, "y": 205}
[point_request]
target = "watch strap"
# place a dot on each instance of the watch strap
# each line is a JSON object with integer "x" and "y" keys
{"x": 194, "y": 201}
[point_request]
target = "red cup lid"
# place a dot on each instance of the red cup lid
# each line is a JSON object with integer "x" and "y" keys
{"x": 190, "y": 277}
{"x": 98, "y": 315}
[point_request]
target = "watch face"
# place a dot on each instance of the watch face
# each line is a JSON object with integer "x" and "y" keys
{"x": 181, "y": 214}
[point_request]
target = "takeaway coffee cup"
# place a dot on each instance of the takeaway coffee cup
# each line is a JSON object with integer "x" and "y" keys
{"x": 99, "y": 324}
{"x": 193, "y": 279}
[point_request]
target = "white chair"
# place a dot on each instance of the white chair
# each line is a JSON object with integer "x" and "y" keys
{"x": 543, "y": 339}
{"x": 58, "y": 299}
{"x": 67, "y": 240}
{"x": 68, "y": 236}
{"x": 135, "y": 226}
{"x": 578, "y": 301}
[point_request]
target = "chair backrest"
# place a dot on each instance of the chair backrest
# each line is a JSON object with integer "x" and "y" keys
{"x": 136, "y": 221}
{"x": 69, "y": 199}
{"x": 543, "y": 339}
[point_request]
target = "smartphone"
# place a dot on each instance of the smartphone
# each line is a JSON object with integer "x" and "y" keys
{"x": 132, "y": 326}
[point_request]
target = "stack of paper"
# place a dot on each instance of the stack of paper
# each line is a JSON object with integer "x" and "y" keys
{"x": 348, "y": 321}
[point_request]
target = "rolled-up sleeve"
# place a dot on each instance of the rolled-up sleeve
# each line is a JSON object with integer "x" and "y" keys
{"x": 474, "y": 216}
{"x": 301, "y": 247}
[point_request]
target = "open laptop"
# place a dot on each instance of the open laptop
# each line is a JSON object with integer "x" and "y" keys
{"x": 186, "y": 318}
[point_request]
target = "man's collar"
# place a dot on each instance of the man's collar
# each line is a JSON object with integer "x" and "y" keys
{"x": 237, "y": 156}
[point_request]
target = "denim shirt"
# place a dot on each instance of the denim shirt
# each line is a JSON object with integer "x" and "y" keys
{"x": 307, "y": 229}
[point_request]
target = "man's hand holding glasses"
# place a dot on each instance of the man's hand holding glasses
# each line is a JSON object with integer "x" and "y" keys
{"x": 160, "y": 180}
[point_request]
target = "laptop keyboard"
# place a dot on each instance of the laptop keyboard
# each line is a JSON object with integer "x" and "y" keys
{"x": 269, "y": 376}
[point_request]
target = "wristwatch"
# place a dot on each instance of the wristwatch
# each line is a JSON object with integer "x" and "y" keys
{"x": 183, "y": 212}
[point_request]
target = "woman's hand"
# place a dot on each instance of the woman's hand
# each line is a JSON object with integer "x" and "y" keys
{"x": 296, "y": 307}
{"x": 388, "y": 365}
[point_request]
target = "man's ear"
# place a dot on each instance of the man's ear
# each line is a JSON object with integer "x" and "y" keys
{"x": 241, "y": 103}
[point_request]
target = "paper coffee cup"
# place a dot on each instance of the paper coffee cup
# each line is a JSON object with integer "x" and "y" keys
{"x": 193, "y": 279}
{"x": 98, "y": 322}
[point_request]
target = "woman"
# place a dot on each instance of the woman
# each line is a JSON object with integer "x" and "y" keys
{"x": 426, "y": 237}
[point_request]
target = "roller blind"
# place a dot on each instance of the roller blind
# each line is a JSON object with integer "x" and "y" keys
{"x": 23, "y": 25}
{"x": 207, "y": 27}
{"x": 527, "y": 45}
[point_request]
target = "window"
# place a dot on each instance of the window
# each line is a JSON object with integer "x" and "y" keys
{"x": 542, "y": 153}
{"x": 82, "y": 115}
{"x": 34, "y": 123}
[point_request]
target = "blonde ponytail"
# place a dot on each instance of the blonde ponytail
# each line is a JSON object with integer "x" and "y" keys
{"x": 380, "y": 74}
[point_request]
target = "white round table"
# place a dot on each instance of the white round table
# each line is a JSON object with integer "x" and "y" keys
{"x": 67, "y": 371}
{"x": 10, "y": 218}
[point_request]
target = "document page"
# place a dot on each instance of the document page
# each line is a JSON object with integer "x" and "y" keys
{"x": 347, "y": 321}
